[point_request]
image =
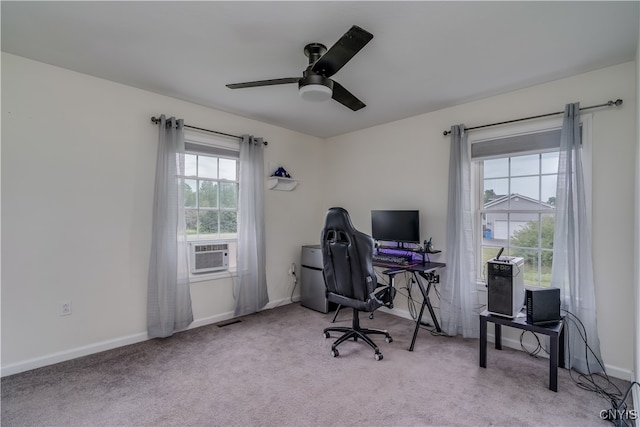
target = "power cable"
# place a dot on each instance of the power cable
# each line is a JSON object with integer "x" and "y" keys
{"x": 589, "y": 381}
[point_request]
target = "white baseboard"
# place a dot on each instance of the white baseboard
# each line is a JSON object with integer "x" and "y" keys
{"x": 87, "y": 350}
{"x": 63, "y": 356}
{"x": 397, "y": 312}
{"x": 210, "y": 320}
{"x": 278, "y": 303}
{"x": 98, "y": 347}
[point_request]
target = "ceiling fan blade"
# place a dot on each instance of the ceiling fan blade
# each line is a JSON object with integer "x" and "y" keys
{"x": 264, "y": 83}
{"x": 342, "y": 51}
{"x": 345, "y": 97}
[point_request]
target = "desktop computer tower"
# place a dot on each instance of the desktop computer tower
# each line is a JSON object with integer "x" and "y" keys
{"x": 505, "y": 286}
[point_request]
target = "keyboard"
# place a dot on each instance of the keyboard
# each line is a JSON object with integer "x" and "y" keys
{"x": 390, "y": 259}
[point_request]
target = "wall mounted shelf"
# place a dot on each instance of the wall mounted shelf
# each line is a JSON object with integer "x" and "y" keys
{"x": 281, "y": 184}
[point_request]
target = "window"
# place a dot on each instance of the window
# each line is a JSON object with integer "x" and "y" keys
{"x": 518, "y": 211}
{"x": 211, "y": 192}
{"x": 515, "y": 181}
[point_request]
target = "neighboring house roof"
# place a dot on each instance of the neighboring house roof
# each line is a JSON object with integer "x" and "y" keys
{"x": 499, "y": 200}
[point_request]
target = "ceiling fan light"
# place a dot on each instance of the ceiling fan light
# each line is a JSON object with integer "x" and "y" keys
{"x": 315, "y": 92}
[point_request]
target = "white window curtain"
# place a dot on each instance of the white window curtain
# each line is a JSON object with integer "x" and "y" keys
{"x": 168, "y": 294}
{"x": 459, "y": 295}
{"x": 251, "y": 284}
{"x": 572, "y": 269}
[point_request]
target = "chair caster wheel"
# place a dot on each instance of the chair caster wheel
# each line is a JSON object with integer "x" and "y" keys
{"x": 335, "y": 353}
{"x": 389, "y": 340}
{"x": 326, "y": 335}
{"x": 378, "y": 356}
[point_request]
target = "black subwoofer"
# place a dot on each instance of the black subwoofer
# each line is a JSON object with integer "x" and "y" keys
{"x": 543, "y": 305}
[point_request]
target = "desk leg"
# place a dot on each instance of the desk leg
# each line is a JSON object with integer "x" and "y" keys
{"x": 426, "y": 299}
{"x": 553, "y": 363}
{"x": 433, "y": 314}
{"x": 483, "y": 342}
{"x": 415, "y": 331}
{"x": 498, "y": 334}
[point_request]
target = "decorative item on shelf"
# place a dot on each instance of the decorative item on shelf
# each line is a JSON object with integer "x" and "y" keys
{"x": 282, "y": 173}
{"x": 429, "y": 249}
{"x": 281, "y": 180}
{"x": 428, "y": 246}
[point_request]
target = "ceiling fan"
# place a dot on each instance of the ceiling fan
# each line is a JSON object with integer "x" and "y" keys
{"x": 315, "y": 84}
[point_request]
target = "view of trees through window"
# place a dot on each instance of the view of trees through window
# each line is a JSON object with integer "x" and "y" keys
{"x": 518, "y": 211}
{"x": 211, "y": 197}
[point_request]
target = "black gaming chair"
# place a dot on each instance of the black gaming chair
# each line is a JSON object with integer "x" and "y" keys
{"x": 349, "y": 277}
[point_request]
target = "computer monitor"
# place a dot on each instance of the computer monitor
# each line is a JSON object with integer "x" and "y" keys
{"x": 402, "y": 226}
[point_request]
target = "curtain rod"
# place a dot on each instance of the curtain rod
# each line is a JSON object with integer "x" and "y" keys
{"x": 617, "y": 103}
{"x": 156, "y": 120}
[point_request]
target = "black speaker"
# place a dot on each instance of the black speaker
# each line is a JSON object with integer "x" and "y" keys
{"x": 500, "y": 295}
{"x": 543, "y": 305}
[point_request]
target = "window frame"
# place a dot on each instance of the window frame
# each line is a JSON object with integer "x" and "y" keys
{"x": 511, "y": 130}
{"x": 228, "y": 150}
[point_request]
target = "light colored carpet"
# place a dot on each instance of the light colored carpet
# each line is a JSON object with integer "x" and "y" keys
{"x": 274, "y": 369}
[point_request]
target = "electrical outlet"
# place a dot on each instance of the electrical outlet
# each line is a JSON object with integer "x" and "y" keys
{"x": 65, "y": 308}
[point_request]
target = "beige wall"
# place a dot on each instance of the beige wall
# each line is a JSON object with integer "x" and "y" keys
{"x": 78, "y": 162}
{"x": 405, "y": 164}
{"x": 78, "y": 159}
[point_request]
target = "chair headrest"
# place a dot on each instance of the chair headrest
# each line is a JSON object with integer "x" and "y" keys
{"x": 338, "y": 219}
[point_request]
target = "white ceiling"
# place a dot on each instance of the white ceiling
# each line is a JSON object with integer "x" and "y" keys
{"x": 424, "y": 56}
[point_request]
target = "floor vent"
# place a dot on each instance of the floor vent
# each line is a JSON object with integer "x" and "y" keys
{"x": 228, "y": 322}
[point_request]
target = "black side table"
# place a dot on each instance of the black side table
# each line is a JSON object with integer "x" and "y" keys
{"x": 554, "y": 331}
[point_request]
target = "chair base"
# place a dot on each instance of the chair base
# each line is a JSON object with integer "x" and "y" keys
{"x": 356, "y": 332}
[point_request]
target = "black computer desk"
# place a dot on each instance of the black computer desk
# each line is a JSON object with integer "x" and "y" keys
{"x": 427, "y": 271}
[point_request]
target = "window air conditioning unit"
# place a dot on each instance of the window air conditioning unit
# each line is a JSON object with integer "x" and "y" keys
{"x": 206, "y": 257}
